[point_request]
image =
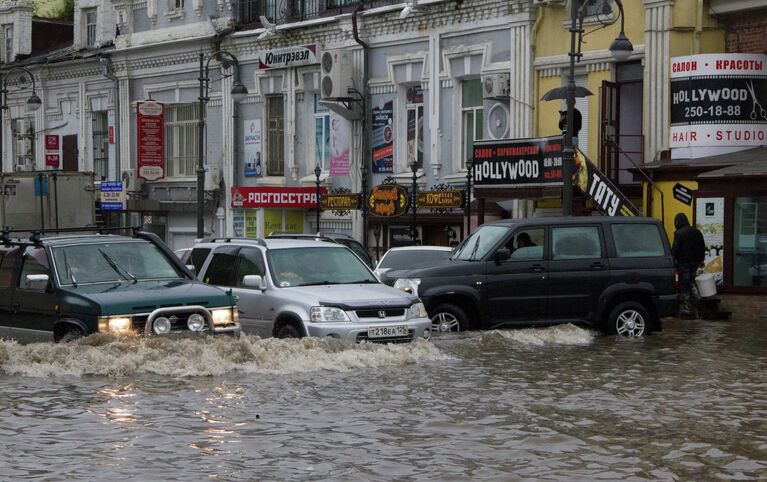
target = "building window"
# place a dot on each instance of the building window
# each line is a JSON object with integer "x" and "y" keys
{"x": 750, "y": 242}
{"x": 181, "y": 131}
{"x": 8, "y": 43}
{"x": 275, "y": 141}
{"x": 597, "y": 8}
{"x": 414, "y": 96}
{"x": 90, "y": 27}
{"x": 321, "y": 135}
{"x": 471, "y": 117}
{"x": 100, "y": 132}
{"x": 177, "y": 4}
{"x": 23, "y": 133}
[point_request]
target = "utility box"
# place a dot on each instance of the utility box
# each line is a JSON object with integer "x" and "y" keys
{"x": 47, "y": 200}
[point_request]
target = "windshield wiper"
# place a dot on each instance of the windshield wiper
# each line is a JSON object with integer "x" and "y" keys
{"x": 117, "y": 268}
{"x": 474, "y": 251}
{"x": 69, "y": 270}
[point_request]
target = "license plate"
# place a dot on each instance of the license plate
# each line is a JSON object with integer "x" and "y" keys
{"x": 387, "y": 331}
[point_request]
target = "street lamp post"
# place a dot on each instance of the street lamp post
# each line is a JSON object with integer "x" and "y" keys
{"x": 620, "y": 49}
{"x": 469, "y": 170}
{"x": 317, "y": 172}
{"x": 238, "y": 92}
{"x": 414, "y": 201}
{"x": 33, "y": 101}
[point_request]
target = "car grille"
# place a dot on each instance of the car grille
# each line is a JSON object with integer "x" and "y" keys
{"x": 390, "y": 313}
{"x": 394, "y": 339}
{"x": 178, "y": 321}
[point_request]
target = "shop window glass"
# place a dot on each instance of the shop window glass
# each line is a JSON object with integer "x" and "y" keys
{"x": 750, "y": 241}
{"x": 472, "y": 115}
{"x": 275, "y": 141}
{"x": 321, "y": 135}
{"x": 637, "y": 240}
{"x": 415, "y": 126}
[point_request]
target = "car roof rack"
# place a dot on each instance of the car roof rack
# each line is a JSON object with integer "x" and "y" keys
{"x": 37, "y": 234}
{"x": 257, "y": 241}
{"x": 316, "y": 237}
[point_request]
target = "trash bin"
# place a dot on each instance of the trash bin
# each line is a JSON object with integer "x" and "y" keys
{"x": 706, "y": 285}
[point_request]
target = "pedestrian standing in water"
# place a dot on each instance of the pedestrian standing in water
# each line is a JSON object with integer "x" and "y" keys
{"x": 688, "y": 250}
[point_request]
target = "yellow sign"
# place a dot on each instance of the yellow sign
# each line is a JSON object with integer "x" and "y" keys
{"x": 272, "y": 221}
{"x": 440, "y": 199}
{"x": 388, "y": 200}
{"x": 251, "y": 224}
{"x": 339, "y": 202}
{"x": 294, "y": 221}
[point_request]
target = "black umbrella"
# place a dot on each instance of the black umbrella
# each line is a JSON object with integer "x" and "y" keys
{"x": 561, "y": 93}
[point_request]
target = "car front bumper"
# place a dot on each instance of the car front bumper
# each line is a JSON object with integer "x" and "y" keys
{"x": 359, "y": 331}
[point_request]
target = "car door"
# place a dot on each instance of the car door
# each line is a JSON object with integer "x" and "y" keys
{"x": 9, "y": 256}
{"x": 253, "y": 304}
{"x": 515, "y": 289}
{"x": 578, "y": 270}
{"x": 34, "y": 309}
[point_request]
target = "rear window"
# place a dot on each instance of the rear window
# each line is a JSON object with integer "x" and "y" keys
{"x": 637, "y": 240}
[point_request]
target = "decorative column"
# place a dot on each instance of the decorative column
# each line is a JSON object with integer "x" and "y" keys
{"x": 227, "y": 161}
{"x": 125, "y": 124}
{"x": 521, "y": 75}
{"x": 656, "y": 77}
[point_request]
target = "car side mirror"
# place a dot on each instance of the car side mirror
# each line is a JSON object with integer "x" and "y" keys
{"x": 254, "y": 281}
{"x": 502, "y": 255}
{"x": 36, "y": 282}
{"x": 192, "y": 269}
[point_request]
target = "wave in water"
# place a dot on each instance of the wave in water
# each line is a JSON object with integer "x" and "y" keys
{"x": 203, "y": 356}
{"x": 553, "y": 335}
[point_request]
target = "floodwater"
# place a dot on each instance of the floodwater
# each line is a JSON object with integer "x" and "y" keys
{"x": 557, "y": 403}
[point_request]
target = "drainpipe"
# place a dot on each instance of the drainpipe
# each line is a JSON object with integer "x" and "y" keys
{"x": 365, "y": 134}
{"x": 106, "y": 70}
{"x": 698, "y": 28}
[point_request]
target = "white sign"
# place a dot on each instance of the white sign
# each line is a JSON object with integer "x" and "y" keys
{"x": 718, "y": 100}
{"x": 287, "y": 57}
{"x": 252, "y": 151}
{"x": 112, "y": 196}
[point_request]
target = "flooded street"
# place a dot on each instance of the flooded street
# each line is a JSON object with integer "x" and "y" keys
{"x": 559, "y": 403}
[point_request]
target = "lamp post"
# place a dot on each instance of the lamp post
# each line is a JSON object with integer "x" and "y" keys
{"x": 620, "y": 49}
{"x": 469, "y": 169}
{"x": 238, "y": 92}
{"x": 414, "y": 201}
{"x": 317, "y": 172}
{"x": 33, "y": 102}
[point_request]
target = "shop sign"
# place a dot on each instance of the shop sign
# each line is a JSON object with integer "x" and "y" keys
{"x": 340, "y": 202}
{"x": 718, "y": 100}
{"x": 518, "y": 162}
{"x": 388, "y": 200}
{"x": 52, "y": 152}
{"x": 275, "y": 197}
{"x": 683, "y": 194}
{"x": 440, "y": 199}
{"x": 383, "y": 133}
{"x": 252, "y": 150}
{"x": 709, "y": 218}
{"x": 340, "y": 135}
{"x": 150, "y": 137}
{"x": 111, "y": 134}
{"x": 287, "y": 57}
{"x": 112, "y": 196}
{"x": 597, "y": 187}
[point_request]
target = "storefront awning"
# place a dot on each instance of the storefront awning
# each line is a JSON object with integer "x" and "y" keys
{"x": 751, "y": 169}
{"x": 703, "y": 165}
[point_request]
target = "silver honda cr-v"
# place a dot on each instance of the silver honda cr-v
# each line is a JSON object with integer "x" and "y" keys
{"x": 293, "y": 288}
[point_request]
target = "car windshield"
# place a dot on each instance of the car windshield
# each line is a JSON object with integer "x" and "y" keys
{"x": 413, "y": 258}
{"x": 480, "y": 242}
{"x": 109, "y": 262}
{"x": 316, "y": 266}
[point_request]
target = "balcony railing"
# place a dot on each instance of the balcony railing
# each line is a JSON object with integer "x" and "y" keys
{"x": 248, "y": 12}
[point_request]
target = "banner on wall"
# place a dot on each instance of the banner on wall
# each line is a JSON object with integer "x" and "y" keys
{"x": 514, "y": 162}
{"x": 383, "y": 133}
{"x": 288, "y": 57}
{"x": 251, "y": 224}
{"x": 718, "y": 100}
{"x": 52, "y": 150}
{"x": 252, "y": 149}
{"x": 340, "y": 135}
{"x": 709, "y": 218}
{"x": 150, "y": 139}
{"x": 275, "y": 197}
{"x": 596, "y": 186}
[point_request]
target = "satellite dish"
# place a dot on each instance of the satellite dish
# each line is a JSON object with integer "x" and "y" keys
{"x": 498, "y": 121}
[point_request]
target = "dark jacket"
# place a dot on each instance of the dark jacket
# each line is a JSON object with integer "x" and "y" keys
{"x": 689, "y": 247}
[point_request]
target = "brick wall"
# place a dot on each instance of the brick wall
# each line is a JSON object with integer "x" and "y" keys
{"x": 744, "y": 307}
{"x": 746, "y": 32}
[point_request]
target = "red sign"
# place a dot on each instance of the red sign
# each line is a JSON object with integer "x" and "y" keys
{"x": 151, "y": 158}
{"x": 52, "y": 142}
{"x": 111, "y": 134}
{"x": 52, "y": 160}
{"x": 275, "y": 197}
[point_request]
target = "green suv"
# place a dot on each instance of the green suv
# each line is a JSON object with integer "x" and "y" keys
{"x": 75, "y": 284}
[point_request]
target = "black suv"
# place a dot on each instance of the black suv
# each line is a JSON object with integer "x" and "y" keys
{"x": 615, "y": 273}
{"x": 75, "y": 284}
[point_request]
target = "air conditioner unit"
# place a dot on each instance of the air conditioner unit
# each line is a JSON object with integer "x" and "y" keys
{"x": 335, "y": 74}
{"x": 495, "y": 86}
{"x": 131, "y": 182}
{"x": 212, "y": 178}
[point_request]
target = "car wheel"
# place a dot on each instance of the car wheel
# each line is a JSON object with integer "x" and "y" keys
{"x": 288, "y": 330}
{"x": 448, "y": 318}
{"x": 66, "y": 333}
{"x": 629, "y": 318}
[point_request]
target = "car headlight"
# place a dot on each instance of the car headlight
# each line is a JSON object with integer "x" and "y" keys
{"x": 417, "y": 310}
{"x": 223, "y": 316}
{"x": 409, "y": 285}
{"x": 116, "y": 325}
{"x": 327, "y": 313}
